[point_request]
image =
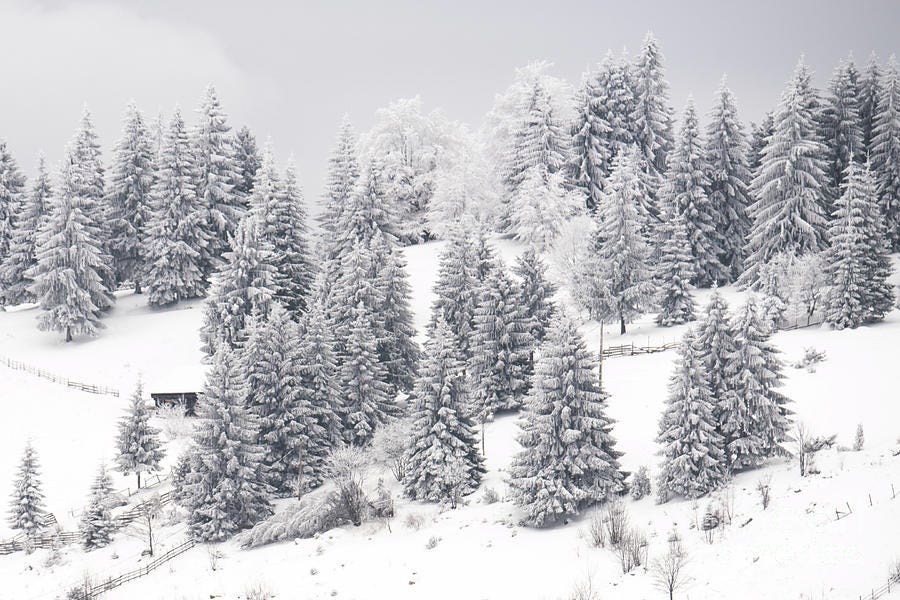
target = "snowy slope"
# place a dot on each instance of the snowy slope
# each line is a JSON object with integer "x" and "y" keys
{"x": 794, "y": 549}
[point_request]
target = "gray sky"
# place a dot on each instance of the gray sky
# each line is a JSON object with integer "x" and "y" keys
{"x": 290, "y": 70}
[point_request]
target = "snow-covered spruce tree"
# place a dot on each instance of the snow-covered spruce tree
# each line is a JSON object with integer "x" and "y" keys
{"x": 278, "y": 207}
{"x": 569, "y": 459}
{"x": 500, "y": 342}
{"x": 363, "y": 382}
{"x": 693, "y": 451}
{"x": 342, "y": 178}
{"x": 539, "y": 207}
{"x": 869, "y": 91}
{"x": 673, "y": 274}
{"x": 18, "y": 227}
{"x": 442, "y": 427}
{"x": 319, "y": 373}
{"x": 535, "y": 294}
{"x": 620, "y": 262}
{"x": 841, "y": 124}
{"x": 224, "y": 490}
{"x": 885, "y": 152}
{"x": 217, "y": 175}
{"x": 243, "y": 287}
{"x": 366, "y": 212}
{"x": 464, "y": 188}
{"x": 858, "y": 264}
{"x": 128, "y": 198}
{"x": 758, "y": 139}
{"x": 246, "y": 155}
{"x": 729, "y": 180}
{"x": 139, "y": 447}
{"x": 684, "y": 193}
{"x": 26, "y": 505}
{"x": 175, "y": 233}
{"x": 356, "y": 290}
{"x": 456, "y": 289}
{"x": 398, "y": 351}
{"x": 97, "y": 524}
{"x": 68, "y": 282}
{"x": 591, "y": 153}
{"x": 276, "y": 397}
{"x": 651, "y": 116}
{"x": 789, "y": 187}
{"x": 755, "y": 381}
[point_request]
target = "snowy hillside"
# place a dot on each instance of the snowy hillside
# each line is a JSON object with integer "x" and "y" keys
{"x": 794, "y": 549}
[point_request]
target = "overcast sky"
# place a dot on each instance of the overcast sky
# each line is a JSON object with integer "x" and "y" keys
{"x": 290, "y": 70}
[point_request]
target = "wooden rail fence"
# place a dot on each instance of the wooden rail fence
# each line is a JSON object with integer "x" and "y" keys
{"x": 893, "y": 584}
{"x": 633, "y": 350}
{"x": 84, "y": 387}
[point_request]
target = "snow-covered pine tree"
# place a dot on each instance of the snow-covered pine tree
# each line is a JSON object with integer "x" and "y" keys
{"x": 789, "y": 187}
{"x": 342, "y": 178}
{"x": 692, "y": 449}
{"x": 68, "y": 282}
{"x": 885, "y": 152}
{"x": 12, "y": 188}
{"x": 569, "y": 459}
{"x": 398, "y": 351}
{"x": 729, "y": 180}
{"x": 16, "y": 235}
{"x": 535, "y": 294}
{"x": 243, "y": 287}
{"x": 128, "y": 198}
{"x": 356, "y": 289}
{"x": 755, "y": 382}
{"x": 246, "y": 155}
{"x": 500, "y": 342}
{"x": 620, "y": 262}
{"x": 97, "y": 524}
{"x": 26, "y": 506}
{"x": 758, "y": 139}
{"x": 319, "y": 373}
{"x": 651, "y": 116}
{"x": 841, "y": 125}
{"x": 278, "y": 206}
{"x": 456, "y": 289}
{"x": 363, "y": 382}
{"x": 539, "y": 208}
{"x": 442, "y": 431}
{"x": 590, "y": 157}
{"x": 225, "y": 490}
{"x": 684, "y": 193}
{"x": 673, "y": 274}
{"x": 218, "y": 174}
{"x": 175, "y": 234}
{"x": 276, "y": 397}
{"x": 366, "y": 212}
{"x": 869, "y": 91}
{"x": 858, "y": 261}
{"x": 139, "y": 447}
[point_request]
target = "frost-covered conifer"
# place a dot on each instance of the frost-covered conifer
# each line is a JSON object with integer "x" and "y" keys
{"x": 535, "y": 293}
{"x": 442, "y": 428}
{"x": 21, "y": 217}
{"x": 729, "y": 180}
{"x": 224, "y": 489}
{"x": 319, "y": 373}
{"x": 869, "y": 91}
{"x": 651, "y": 115}
{"x": 357, "y": 289}
{"x": 539, "y": 207}
{"x": 342, "y": 178}
{"x": 885, "y": 151}
{"x": 758, "y": 137}
{"x": 12, "y": 188}
{"x": 789, "y": 187}
{"x": 26, "y": 506}
{"x": 693, "y": 451}
{"x": 128, "y": 199}
{"x": 841, "y": 124}
{"x": 97, "y": 523}
{"x": 139, "y": 447}
{"x": 176, "y": 237}
{"x": 569, "y": 459}
{"x": 246, "y": 155}
{"x": 673, "y": 274}
{"x": 592, "y": 133}
{"x": 858, "y": 264}
{"x": 456, "y": 289}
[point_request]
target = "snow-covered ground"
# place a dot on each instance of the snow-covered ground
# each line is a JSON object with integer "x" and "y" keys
{"x": 794, "y": 549}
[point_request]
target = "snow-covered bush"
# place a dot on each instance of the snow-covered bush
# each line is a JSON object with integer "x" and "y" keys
{"x": 763, "y": 487}
{"x": 490, "y": 496}
{"x": 616, "y": 519}
{"x": 640, "y": 483}
{"x": 811, "y": 357}
{"x": 432, "y": 543}
{"x": 570, "y": 252}
{"x": 859, "y": 440}
{"x": 597, "y": 531}
{"x": 414, "y": 521}
{"x": 632, "y": 550}
{"x": 346, "y": 469}
{"x": 390, "y": 446}
{"x": 258, "y": 591}
{"x": 174, "y": 423}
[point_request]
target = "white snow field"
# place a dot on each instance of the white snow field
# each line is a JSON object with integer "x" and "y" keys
{"x": 795, "y": 549}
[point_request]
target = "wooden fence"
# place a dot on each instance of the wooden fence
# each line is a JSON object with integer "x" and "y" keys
{"x": 84, "y": 387}
{"x": 633, "y": 350}
{"x": 45, "y": 540}
{"x": 87, "y": 590}
{"x": 893, "y": 584}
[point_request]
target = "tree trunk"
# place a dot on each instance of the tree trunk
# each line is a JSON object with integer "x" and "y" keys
{"x": 137, "y": 287}
{"x": 622, "y": 324}
{"x": 139, "y": 479}
{"x": 300, "y": 473}
{"x": 68, "y": 334}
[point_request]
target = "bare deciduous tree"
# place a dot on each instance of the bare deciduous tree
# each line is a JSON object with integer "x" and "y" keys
{"x": 669, "y": 570}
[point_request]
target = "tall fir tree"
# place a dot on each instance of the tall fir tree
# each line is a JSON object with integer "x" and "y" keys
{"x": 590, "y": 157}
{"x": 758, "y": 139}
{"x": 540, "y": 207}
{"x": 128, "y": 198}
{"x": 246, "y": 155}
{"x": 355, "y": 291}
{"x": 728, "y": 174}
{"x": 342, "y": 178}
{"x": 12, "y": 188}
{"x": 693, "y": 451}
{"x": 535, "y": 294}
{"x": 443, "y": 433}
{"x": 885, "y": 151}
{"x": 97, "y": 525}
{"x": 869, "y": 92}
{"x": 318, "y": 371}
{"x": 456, "y": 289}
{"x": 841, "y": 124}
{"x": 651, "y": 115}
{"x": 684, "y": 193}
{"x": 176, "y": 237}
{"x": 224, "y": 489}
{"x": 21, "y": 217}
{"x": 789, "y": 187}
{"x": 858, "y": 263}
{"x": 673, "y": 274}
{"x": 26, "y": 506}
{"x": 139, "y": 446}
{"x": 569, "y": 459}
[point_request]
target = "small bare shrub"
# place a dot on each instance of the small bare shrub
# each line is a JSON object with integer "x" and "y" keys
{"x": 258, "y": 592}
{"x": 860, "y": 440}
{"x": 432, "y": 543}
{"x": 597, "y": 531}
{"x": 811, "y": 357}
{"x": 490, "y": 496}
{"x": 414, "y": 521}
{"x": 632, "y": 550}
{"x": 584, "y": 591}
{"x": 390, "y": 446}
{"x": 346, "y": 467}
{"x": 669, "y": 570}
{"x": 616, "y": 521}
{"x": 764, "y": 489}
{"x": 640, "y": 484}
{"x": 711, "y": 521}
{"x": 215, "y": 556}
{"x": 175, "y": 424}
